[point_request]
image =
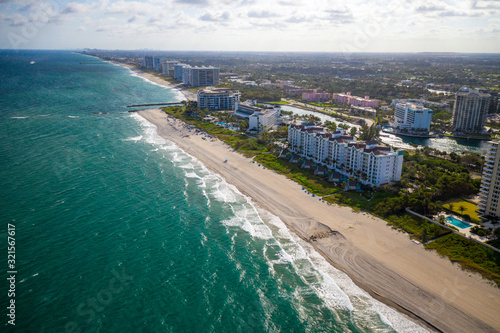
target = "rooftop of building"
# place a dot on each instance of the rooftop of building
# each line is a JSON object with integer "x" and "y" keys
{"x": 217, "y": 91}
{"x": 371, "y": 146}
{"x": 414, "y": 106}
{"x": 472, "y": 92}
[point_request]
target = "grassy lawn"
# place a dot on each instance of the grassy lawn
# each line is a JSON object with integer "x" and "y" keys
{"x": 470, "y": 209}
{"x": 469, "y": 255}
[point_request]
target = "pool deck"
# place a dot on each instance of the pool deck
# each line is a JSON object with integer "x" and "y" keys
{"x": 465, "y": 231}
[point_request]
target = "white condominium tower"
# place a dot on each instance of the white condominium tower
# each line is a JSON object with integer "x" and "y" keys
{"x": 413, "y": 117}
{"x": 490, "y": 185}
{"x": 218, "y": 99}
{"x": 470, "y": 111}
{"x": 372, "y": 164}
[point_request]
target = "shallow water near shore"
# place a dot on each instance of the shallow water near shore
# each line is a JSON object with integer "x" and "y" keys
{"x": 119, "y": 230}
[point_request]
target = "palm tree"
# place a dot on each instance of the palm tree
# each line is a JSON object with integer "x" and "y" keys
{"x": 461, "y": 208}
{"x": 451, "y": 206}
{"x": 343, "y": 184}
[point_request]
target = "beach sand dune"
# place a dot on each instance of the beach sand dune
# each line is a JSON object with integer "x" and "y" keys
{"x": 381, "y": 260}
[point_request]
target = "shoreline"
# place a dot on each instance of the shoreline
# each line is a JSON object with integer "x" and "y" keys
{"x": 188, "y": 95}
{"x": 381, "y": 261}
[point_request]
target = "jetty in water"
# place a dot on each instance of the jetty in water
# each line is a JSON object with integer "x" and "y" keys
{"x": 151, "y": 104}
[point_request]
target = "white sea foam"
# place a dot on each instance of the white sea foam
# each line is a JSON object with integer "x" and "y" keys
{"x": 333, "y": 287}
{"x": 191, "y": 175}
{"x": 186, "y": 166}
{"x": 178, "y": 94}
{"x": 18, "y": 117}
{"x": 135, "y": 138}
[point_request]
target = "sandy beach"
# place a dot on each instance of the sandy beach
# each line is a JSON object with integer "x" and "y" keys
{"x": 188, "y": 95}
{"x": 382, "y": 261}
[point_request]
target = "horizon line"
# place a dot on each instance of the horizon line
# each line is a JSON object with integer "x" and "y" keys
{"x": 253, "y": 51}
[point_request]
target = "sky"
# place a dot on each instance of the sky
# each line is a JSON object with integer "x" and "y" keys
{"x": 253, "y": 25}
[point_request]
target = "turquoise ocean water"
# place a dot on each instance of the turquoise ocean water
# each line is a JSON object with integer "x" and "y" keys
{"x": 118, "y": 230}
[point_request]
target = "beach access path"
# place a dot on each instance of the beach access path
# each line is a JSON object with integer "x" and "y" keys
{"x": 383, "y": 261}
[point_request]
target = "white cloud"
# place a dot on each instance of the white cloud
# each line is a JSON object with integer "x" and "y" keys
{"x": 261, "y": 14}
{"x": 215, "y": 17}
{"x": 259, "y": 24}
{"x": 132, "y": 8}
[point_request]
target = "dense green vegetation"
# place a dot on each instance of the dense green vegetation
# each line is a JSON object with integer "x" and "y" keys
{"x": 426, "y": 182}
{"x": 417, "y": 228}
{"x": 262, "y": 94}
{"x": 480, "y": 231}
{"x": 469, "y": 255}
{"x": 314, "y": 184}
{"x": 368, "y": 133}
{"x": 242, "y": 143}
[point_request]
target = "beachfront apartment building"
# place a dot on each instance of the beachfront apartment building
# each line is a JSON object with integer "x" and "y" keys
{"x": 260, "y": 118}
{"x": 178, "y": 70}
{"x": 347, "y": 98}
{"x": 152, "y": 62}
{"x": 157, "y": 61}
{"x": 147, "y": 62}
{"x": 316, "y": 96}
{"x": 264, "y": 120}
{"x": 470, "y": 111}
{"x": 200, "y": 76}
{"x": 489, "y": 192}
{"x": 413, "y": 117}
{"x": 167, "y": 67}
{"x": 369, "y": 162}
{"x": 218, "y": 98}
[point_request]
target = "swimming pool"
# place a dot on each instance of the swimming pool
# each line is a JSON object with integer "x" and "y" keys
{"x": 457, "y": 223}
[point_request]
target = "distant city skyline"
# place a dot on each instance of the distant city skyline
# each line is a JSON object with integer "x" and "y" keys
{"x": 471, "y": 26}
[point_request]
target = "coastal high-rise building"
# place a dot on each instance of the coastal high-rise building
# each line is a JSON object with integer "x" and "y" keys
{"x": 167, "y": 67}
{"x": 200, "y": 76}
{"x": 147, "y": 62}
{"x": 218, "y": 99}
{"x": 489, "y": 191}
{"x": 260, "y": 118}
{"x": 470, "y": 111}
{"x": 157, "y": 61}
{"x": 178, "y": 69}
{"x": 413, "y": 117}
{"x": 264, "y": 119}
{"x": 372, "y": 164}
